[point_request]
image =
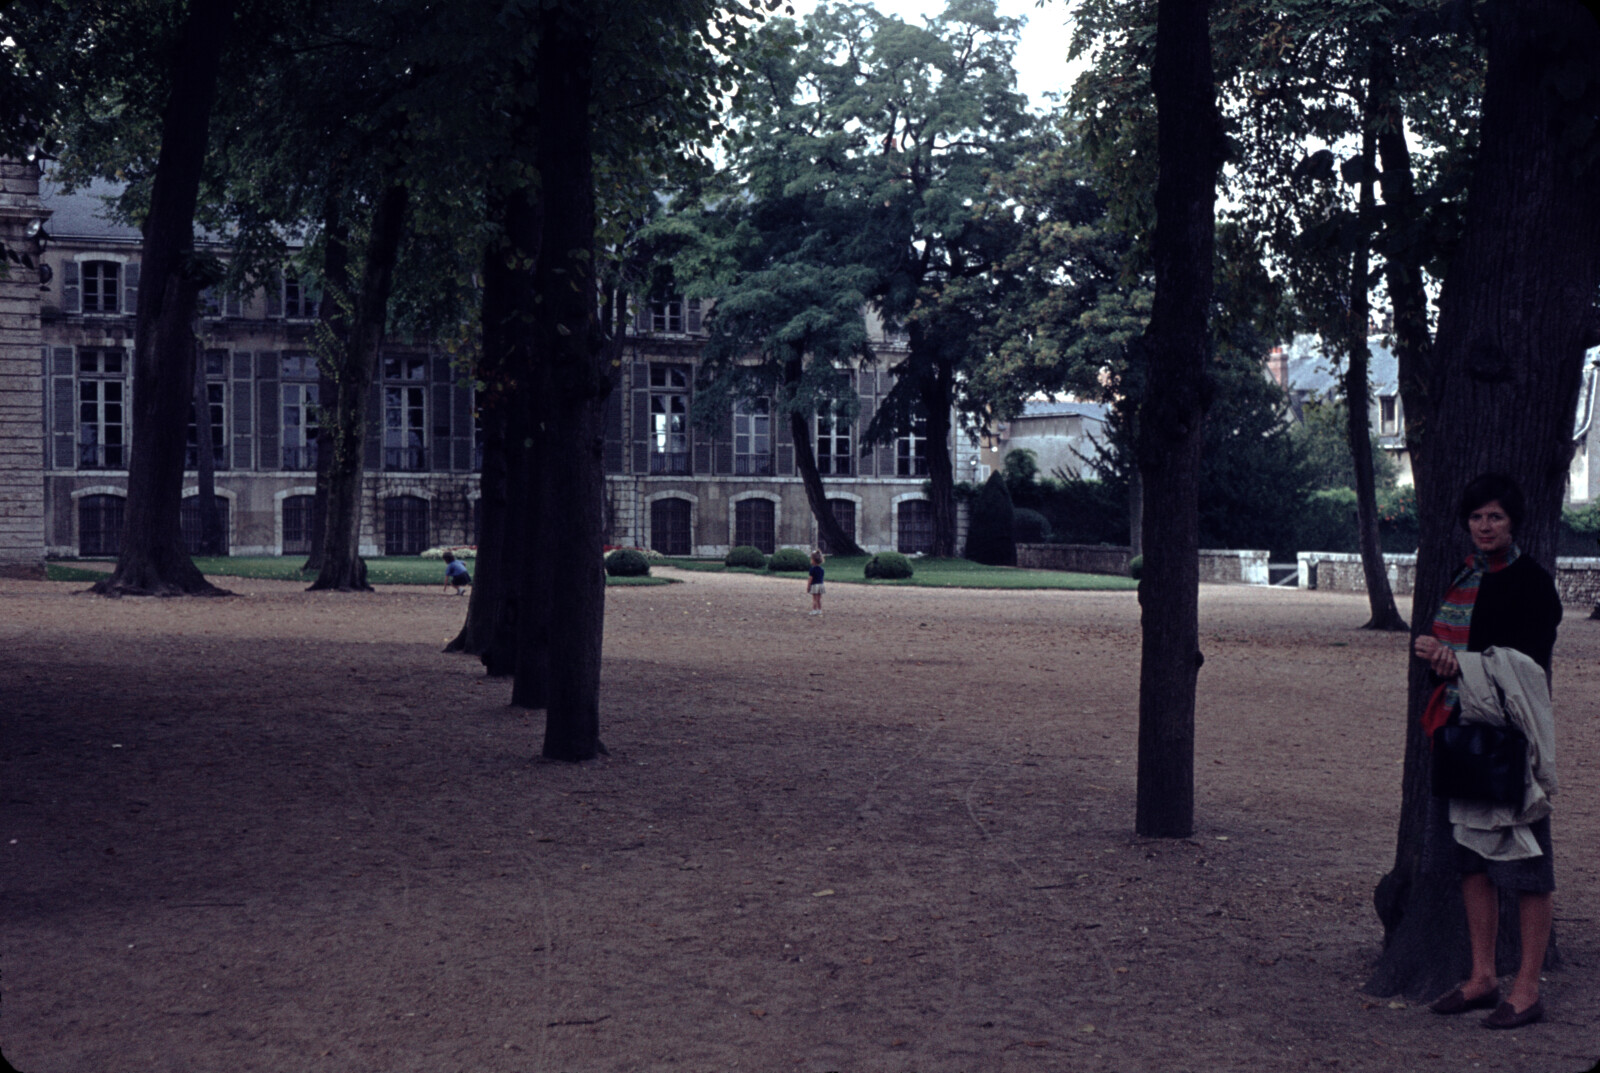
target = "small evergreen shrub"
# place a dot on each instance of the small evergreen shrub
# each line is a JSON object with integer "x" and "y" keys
{"x": 789, "y": 559}
{"x": 989, "y": 539}
{"x": 888, "y": 565}
{"x": 745, "y": 555}
{"x": 626, "y": 562}
{"x": 1327, "y": 522}
{"x": 1029, "y": 526}
{"x": 1136, "y": 567}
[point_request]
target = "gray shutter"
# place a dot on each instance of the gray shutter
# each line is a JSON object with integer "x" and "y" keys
{"x": 63, "y": 356}
{"x": 269, "y": 401}
{"x": 130, "y": 288}
{"x": 275, "y": 295}
{"x": 241, "y": 365}
{"x": 243, "y": 440}
{"x": 612, "y": 460}
{"x": 461, "y": 399}
{"x": 71, "y": 289}
{"x": 785, "y": 447}
{"x": 641, "y": 419}
{"x": 692, "y": 319}
{"x": 722, "y": 447}
{"x": 372, "y": 454}
{"x": 699, "y": 451}
{"x": 233, "y": 305}
{"x": 439, "y": 434}
{"x": 63, "y": 421}
{"x": 641, "y": 317}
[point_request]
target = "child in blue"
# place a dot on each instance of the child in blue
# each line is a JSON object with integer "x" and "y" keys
{"x": 814, "y": 583}
{"x": 455, "y": 573}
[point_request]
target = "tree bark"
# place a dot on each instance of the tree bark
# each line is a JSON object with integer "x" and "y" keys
{"x": 153, "y": 561}
{"x": 1358, "y": 389}
{"x": 1515, "y": 307}
{"x": 205, "y": 464}
{"x": 332, "y": 338}
{"x": 938, "y": 396}
{"x": 573, "y": 425}
{"x": 1176, "y": 347}
{"x": 829, "y": 531}
{"x": 343, "y": 569}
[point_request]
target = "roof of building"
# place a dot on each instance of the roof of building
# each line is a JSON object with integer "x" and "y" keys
{"x": 1094, "y": 411}
{"x": 86, "y": 212}
{"x": 1313, "y": 371}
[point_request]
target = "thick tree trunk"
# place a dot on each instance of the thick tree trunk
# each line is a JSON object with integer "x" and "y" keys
{"x": 937, "y": 399}
{"x": 1176, "y": 347}
{"x": 343, "y": 569}
{"x": 153, "y": 561}
{"x": 829, "y": 531}
{"x": 1514, "y": 310}
{"x": 332, "y": 338}
{"x": 205, "y": 464}
{"x": 569, "y": 343}
{"x": 1358, "y": 391}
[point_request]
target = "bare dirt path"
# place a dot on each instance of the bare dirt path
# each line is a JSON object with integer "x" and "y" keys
{"x": 282, "y": 831}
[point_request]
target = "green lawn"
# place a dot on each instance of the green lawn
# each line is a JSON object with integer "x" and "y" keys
{"x": 936, "y": 573}
{"x": 399, "y": 570}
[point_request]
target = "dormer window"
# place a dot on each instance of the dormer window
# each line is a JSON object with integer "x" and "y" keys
{"x": 101, "y": 283}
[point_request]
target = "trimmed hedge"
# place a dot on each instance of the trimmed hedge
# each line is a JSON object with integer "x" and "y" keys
{"x": 1029, "y": 526}
{"x": 888, "y": 565}
{"x": 625, "y": 562}
{"x": 789, "y": 559}
{"x": 989, "y": 537}
{"x": 1136, "y": 567}
{"x": 745, "y": 555}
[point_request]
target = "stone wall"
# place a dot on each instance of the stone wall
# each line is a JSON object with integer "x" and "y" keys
{"x": 21, "y": 383}
{"x": 1216, "y": 565}
{"x": 1578, "y": 580}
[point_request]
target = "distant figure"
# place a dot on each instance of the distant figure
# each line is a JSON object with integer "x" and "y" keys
{"x": 814, "y": 583}
{"x": 455, "y": 574}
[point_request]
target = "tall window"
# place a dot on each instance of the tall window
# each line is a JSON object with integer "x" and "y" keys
{"x": 100, "y": 525}
{"x": 405, "y": 525}
{"x": 405, "y": 413}
{"x": 300, "y": 415}
{"x": 1388, "y": 415}
{"x": 669, "y": 419}
{"x": 844, "y": 512}
{"x": 217, "y": 405}
{"x": 299, "y": 524}
{"x": 911, "y": 450}
{"x": 102, "y": 419}
{"x": 916, "y": 526}
{"x": 192, "y": 530}
{"x": 752, "y": 437}
{"x": 298, "y": 302}
{"x": 669, "y": 526}
{"x": 753, "y": 524}
{"x": 101, "y": 286}
{"x": 833, "y": 443}
{"x": 666, "y": 315}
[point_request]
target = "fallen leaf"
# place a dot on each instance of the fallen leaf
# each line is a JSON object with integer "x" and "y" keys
{"x": 758, "y": 1013}
{"x": 867, "y": 960}
{"x": 821, "y": 893}
{"x": 1397, "y": 1005}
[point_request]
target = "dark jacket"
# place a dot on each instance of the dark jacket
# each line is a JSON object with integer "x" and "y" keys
{"x": 1519, "y": 608}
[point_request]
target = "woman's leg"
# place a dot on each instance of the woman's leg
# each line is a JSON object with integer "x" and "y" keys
{"x": 1535, "y": 911}
{"x": 1483, "y": 920}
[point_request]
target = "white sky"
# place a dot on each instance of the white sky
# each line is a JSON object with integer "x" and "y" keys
{"x": 1041, "y": 53}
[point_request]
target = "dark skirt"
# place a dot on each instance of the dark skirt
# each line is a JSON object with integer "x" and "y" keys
{"x": 1536, "y": 875}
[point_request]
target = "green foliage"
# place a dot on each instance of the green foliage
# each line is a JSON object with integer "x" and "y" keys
{"x": 1136, "y": 567}
{"x": 887, "y": 566}
{"x": 1322, "y": 438}
{"x": 1028, "y": 526}
{"x": 745, "y": 555}
{"x": 626, "y": 562}
{"x": 1087, "y": 511}
{"x": 1328, "y": 522}
{"x": 789, "y": 560}
{"x": 1398, "y": 525}
{"x": 1022, "y": 477}
{"x": 1580, "y": 531}
{"x": 989, "y": 536}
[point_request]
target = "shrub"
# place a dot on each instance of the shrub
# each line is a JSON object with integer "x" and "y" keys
{"x": 1136, "y": 567}
{"x": 1029, "y": 526}
{"x": 1327, "y": 522}
{"x": 888, "y": 565}
{"x": 626, "y": 562}
{"x": 745, "y": 555}
{"x": 989, "y": 539}
{"x": 789, "y": 559}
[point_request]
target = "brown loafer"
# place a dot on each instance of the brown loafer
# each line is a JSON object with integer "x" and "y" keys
{"x": 1505, "y": 1015}
{"x": 1455, "y": 1002}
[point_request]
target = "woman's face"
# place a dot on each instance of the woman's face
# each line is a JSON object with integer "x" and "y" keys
{"x": 1490, "y": 527}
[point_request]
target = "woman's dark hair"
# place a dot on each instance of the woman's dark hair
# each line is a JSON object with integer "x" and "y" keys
{"x": 1486, "y": 488}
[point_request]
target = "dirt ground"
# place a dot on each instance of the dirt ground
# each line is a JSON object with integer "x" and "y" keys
{"x": 285, "y": 832}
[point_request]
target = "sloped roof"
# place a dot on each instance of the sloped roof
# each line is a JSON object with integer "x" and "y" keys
{"x": 85, "y": 213}
{"x": 1093, "y": 411}
{"x": 1312, "y": 370}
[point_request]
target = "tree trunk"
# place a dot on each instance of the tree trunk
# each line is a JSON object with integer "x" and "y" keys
{"x": 205, "y": 464}
{"x": 829, "y": 531}
{"x": 574, "y": 420}
{"x": 332, "y": 337}
{"x": 343, "y": 569}
{"x": 1358, "y": 391}
{"x": 153, "y": 561}
{"x": 1513, "y": 313}
{"x": 937, "y": 399}
{"x": 1176, "y": 347}
{"x": 1136, "y": 505}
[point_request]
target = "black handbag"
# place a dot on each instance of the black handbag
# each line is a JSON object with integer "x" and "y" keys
{"x": 1480, "y": 762}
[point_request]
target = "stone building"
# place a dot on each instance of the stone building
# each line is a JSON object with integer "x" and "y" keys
{"x": 64, "y": 422}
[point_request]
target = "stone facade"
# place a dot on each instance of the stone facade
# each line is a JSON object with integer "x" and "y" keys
{"x": 1216, "y": 565}
{"x": 1577, "y": 579}
{"x": 22, "y": 544}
